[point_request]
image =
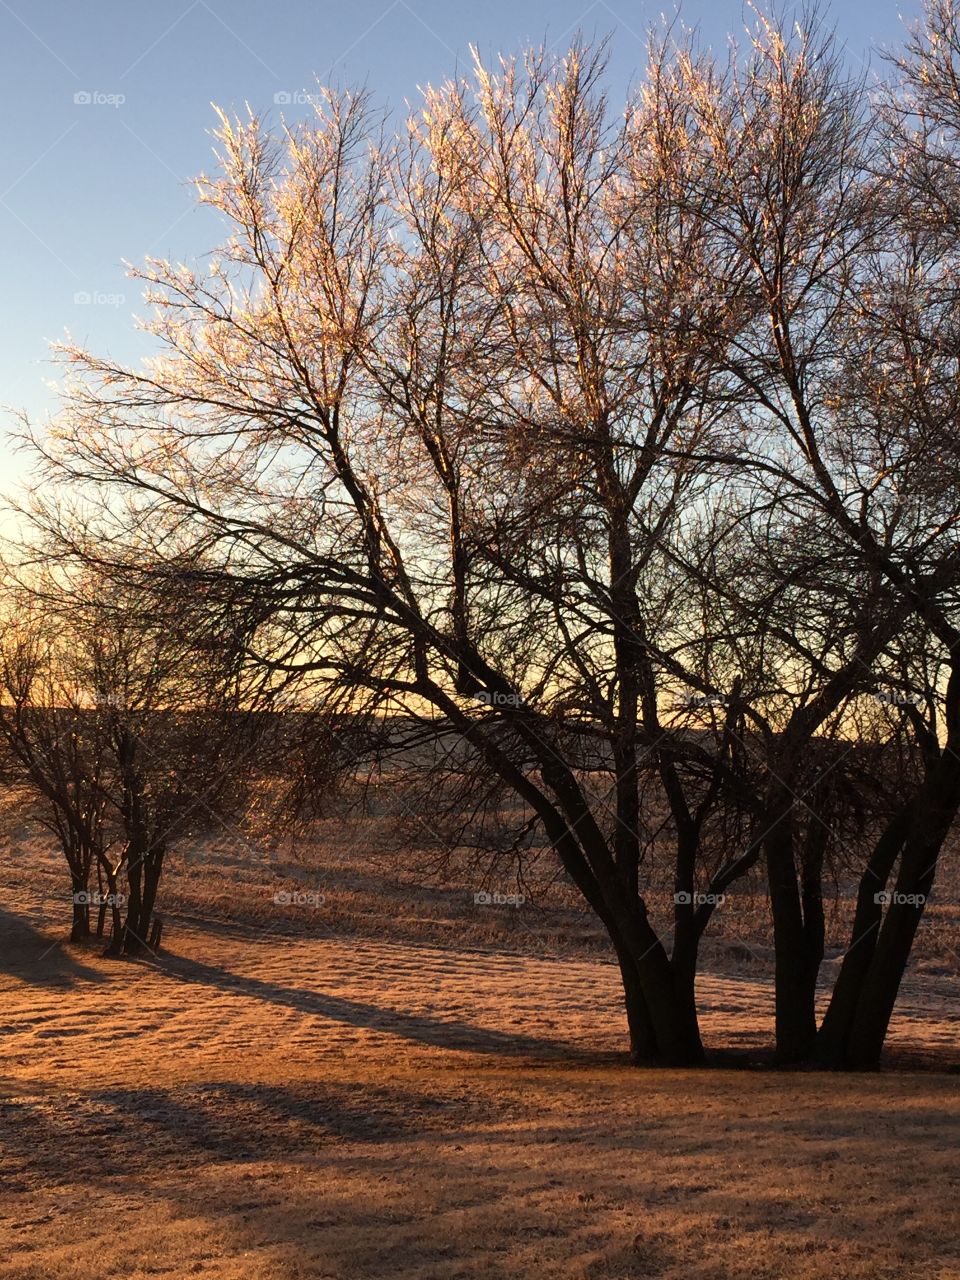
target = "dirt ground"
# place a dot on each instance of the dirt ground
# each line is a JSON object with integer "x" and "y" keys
{"x": 266, "y": 1108}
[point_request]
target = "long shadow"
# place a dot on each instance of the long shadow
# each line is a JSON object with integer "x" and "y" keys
{"x": 410, "y": 1026}
{"x": 32, "y": 956}
{"x": 115, "y": 1132}
{"x": 142, "y": 1146}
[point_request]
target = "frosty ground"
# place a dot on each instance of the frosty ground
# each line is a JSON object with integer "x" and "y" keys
{"x": 259, "y": 1104}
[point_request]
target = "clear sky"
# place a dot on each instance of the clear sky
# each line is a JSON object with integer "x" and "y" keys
{"x": 106, "y": 116}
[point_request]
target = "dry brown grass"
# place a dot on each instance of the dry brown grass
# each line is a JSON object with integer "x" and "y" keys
{"x": 463, "y": 1171}
{"x": 292, "y": 1093}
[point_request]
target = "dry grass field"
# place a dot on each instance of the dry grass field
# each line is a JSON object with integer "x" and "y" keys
{"x": 279, "y": 1096}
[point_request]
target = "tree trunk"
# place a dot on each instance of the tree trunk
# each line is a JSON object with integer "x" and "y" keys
{"x": 80, "y": 927}
{"x": 152, "y": 870}
{"x": 796, "y": 971}
{"x": 643, "y": 1046}
{"x": 918, "y": 869}
{"x": 856, "y": 1023}
{"x": 134, "y": 932}
{"x": 672, "y": 1008}
{"x": 661, "y": 1012}
{"x": 833, "y": 1036}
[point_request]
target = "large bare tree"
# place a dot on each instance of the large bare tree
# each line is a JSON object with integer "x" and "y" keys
{"x": 854, "y": 549}
{"x": 526, "y": 425}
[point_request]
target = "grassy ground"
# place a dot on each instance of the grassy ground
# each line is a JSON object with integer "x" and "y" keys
{"x": 389, "y": 1080}
{"x": 469, "y": 1170}
{"x": 255, "y": 1106}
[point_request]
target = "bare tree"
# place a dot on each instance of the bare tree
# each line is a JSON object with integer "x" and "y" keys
{"x": 127, "y": 721}
{"x": 180, "y": 741}
{"x": 534, "y": 427}
{"x": 899, "y": 403}
{"x": 857, "y": 555}
{"x": 436, "y": 409}
{"x": 54, "y": 761}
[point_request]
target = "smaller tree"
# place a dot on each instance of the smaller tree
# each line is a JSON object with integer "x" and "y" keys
{"x": 53, "y": 760}
{"x": 125, "y": 723}
{"x": 178, "y": 734}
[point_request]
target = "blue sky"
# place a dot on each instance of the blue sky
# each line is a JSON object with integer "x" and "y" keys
{"x": 106, "y": 110}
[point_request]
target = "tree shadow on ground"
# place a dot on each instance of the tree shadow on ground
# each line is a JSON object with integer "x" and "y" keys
{"x": 33, "y": 956}
{"x": 119, "y": 1132}
{"x": 448, "y": 1180}
{"x": 422, "y": 1028}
